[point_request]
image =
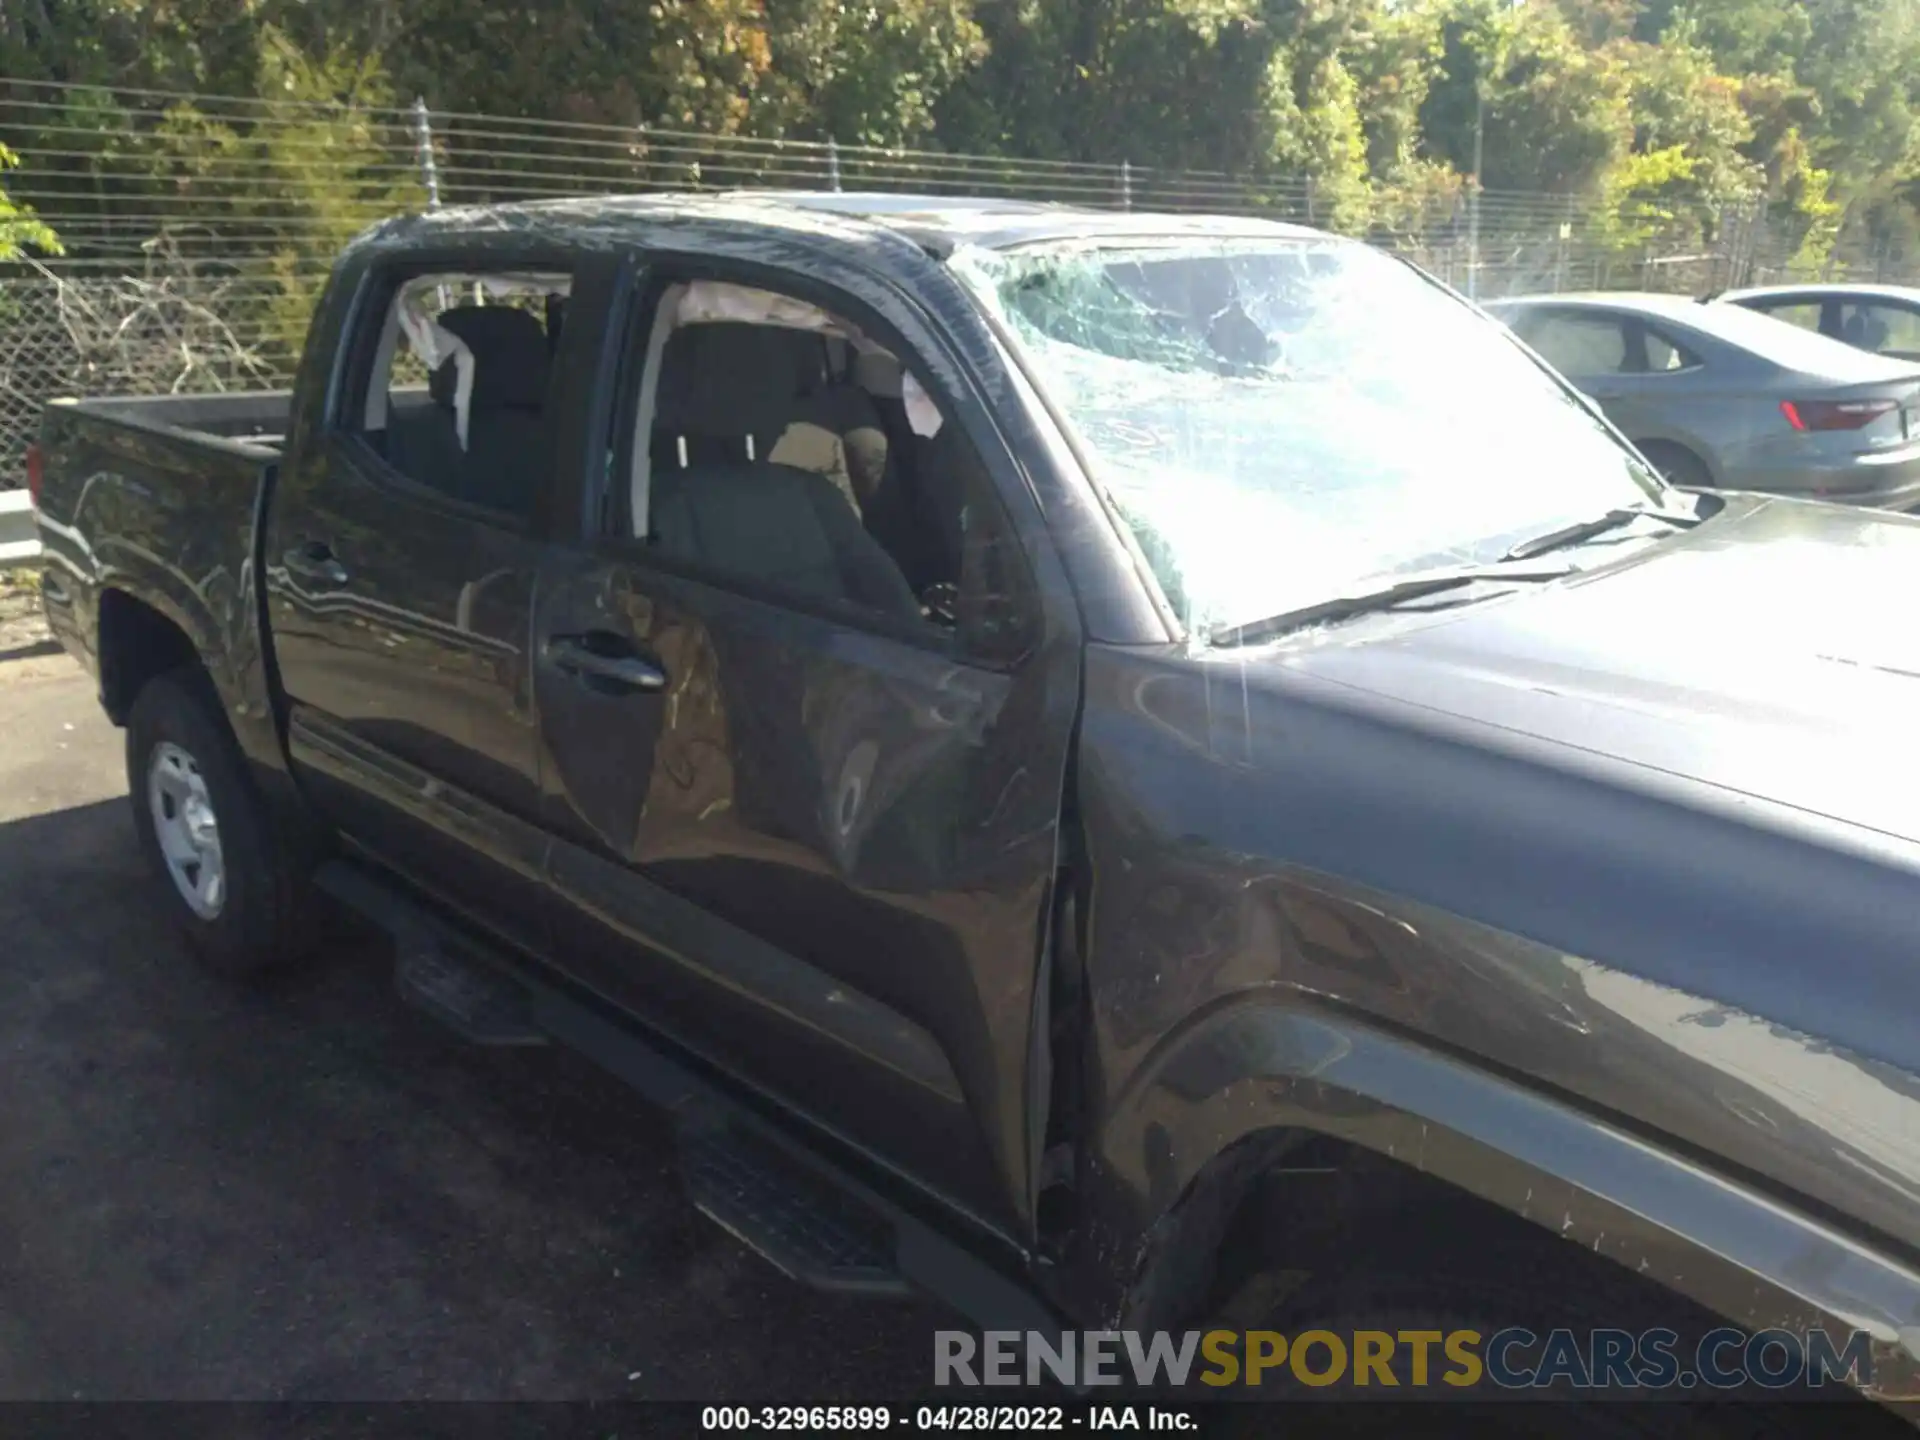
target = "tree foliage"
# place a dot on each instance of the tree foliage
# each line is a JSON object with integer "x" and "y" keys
{"x": 20, "y": 228}
{"x": 1666, "y": 113}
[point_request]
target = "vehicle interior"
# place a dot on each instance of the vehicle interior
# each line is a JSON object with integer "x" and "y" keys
{"x": 773, "y": 443}
{"x": 1599, "y": 343}
{"x": 1884, "y": 327}
{"x": 458, "y": 396}
{"x": 1863, "y": 331}
{"x": 1889, "y": 330}
{"x": 776, "y": 442}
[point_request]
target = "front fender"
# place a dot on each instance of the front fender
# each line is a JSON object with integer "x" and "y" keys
{"x": 1256, "y": 1065}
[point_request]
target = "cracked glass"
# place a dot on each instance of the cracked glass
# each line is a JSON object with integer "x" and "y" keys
{"x": 1281, "y": 422}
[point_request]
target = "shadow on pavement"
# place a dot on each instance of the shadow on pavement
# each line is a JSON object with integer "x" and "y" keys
{"x": 29, "y": 650}
{"x": 307, "y": 1191}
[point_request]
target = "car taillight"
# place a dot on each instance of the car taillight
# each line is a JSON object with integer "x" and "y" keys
{"x": 36, "y": 473}
{"x": 1835, "y": 414}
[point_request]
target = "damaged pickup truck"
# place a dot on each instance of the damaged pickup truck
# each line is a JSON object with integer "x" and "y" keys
{"x": 1085, "y": 758}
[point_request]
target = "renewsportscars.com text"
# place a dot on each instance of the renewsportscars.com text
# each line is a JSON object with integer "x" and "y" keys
{"x": 1510, "y": 1359}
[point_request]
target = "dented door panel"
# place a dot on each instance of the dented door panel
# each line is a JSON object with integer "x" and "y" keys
{"x": 815, "y": 852}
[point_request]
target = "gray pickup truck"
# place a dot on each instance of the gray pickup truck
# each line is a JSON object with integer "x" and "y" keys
{"x": 1087, "y": 759}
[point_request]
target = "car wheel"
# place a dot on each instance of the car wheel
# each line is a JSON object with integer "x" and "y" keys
{"x": 1678, "y": 465}
{"x": 222, "y": 864}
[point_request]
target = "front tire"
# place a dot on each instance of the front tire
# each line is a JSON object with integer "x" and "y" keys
{"x": 222, "y": 865}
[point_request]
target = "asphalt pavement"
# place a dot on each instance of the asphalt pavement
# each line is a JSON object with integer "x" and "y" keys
{"x": 310, "y": 1191}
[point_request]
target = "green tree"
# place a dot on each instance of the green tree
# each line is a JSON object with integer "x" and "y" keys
{"x": 1554, "y": 116}
{"x": 1689, "y": 162}
{"x": 327, "y": 161}
{"x": 868, "y": 74}
{"x": 1745, "y": 37}
{"x": 1393, "y": 52}
{"x": 1862, "y": 63}
{"x": 20, "y": 228}
{"x": 205, "y": 45}
{"x": 690, "y": 64}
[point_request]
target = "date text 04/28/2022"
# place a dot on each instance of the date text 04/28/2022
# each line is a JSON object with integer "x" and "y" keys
{"x": 998, "y": 1419}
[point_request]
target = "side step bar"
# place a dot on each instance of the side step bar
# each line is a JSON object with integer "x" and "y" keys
{"x": 812, "y": 1232}
{"x": 484, "y": 1008}
{"x": 472, "y": 999}
{"x": 796, "y": 1208}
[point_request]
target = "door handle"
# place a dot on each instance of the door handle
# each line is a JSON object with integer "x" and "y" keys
{"x": 314, "y": 560}
{"x": 602, "y": 655}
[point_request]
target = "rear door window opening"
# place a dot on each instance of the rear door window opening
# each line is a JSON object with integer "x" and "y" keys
{"x": 460, "y": 382}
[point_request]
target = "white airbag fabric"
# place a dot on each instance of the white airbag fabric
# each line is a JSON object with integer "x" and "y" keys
{"x": 715, "y": 302}
{"x": 922, "y": 414}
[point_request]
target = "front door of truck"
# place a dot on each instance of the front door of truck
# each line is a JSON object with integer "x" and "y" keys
{"x": 805, "y": 718}
{"x": 401, "y": 558}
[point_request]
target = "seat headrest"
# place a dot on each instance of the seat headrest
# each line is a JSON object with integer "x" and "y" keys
{"x": 511, "y": 366}
{"x": 733, "y": 379}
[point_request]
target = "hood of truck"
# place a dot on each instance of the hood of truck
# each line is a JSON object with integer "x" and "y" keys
{"x": 1774, "y": 652}
{"x": 1646, "y": 834}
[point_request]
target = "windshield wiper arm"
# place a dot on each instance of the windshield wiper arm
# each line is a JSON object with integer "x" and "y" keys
{"x": 1382, "y": 597}
{"x": 1588, "y": 529}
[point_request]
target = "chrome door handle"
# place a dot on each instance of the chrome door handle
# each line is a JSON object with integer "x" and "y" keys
{"x": 313, "y": 559}
{"x": 588, "y": 655}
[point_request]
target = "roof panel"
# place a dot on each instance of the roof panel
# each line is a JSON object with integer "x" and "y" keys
{"x": 932, "y": 222}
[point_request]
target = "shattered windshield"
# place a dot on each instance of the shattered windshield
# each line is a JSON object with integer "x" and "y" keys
{"x": 1280, "y": 421}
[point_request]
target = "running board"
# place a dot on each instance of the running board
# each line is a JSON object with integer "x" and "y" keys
{"x": 808, "y": 1230}
{"x": 781, "y": 1198}
{"x": 436, "y": 970}
{"x": 482, "y": 1007}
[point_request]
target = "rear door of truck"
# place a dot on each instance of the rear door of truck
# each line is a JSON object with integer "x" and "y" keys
{"x": 401, "y": 555}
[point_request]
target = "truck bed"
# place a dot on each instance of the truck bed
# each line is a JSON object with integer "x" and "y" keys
{"x": 250, "y": 417}
{"x": 159, "y": 497}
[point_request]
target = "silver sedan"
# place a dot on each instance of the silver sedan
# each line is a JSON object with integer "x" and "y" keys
{"x": 1718, "y": 397}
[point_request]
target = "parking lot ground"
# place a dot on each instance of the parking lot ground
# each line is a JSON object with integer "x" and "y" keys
{"x": 310, "y": 1192}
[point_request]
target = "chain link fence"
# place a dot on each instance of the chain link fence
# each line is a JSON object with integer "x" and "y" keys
{"x": 198, "y": 229}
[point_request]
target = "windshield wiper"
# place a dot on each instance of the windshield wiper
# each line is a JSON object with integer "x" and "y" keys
{"x": 1588, "y": 529}
{"x": 1383, "y": 597}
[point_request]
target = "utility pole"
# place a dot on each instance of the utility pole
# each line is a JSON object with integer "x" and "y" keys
{"x": 1473, "y": 200}
{"x": 1565, "y": 244}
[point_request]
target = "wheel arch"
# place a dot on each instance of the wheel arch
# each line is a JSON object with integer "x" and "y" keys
{"x": 1688, "y": 451}
{"x": 142, "y": 634}
{"x": 138, "y": 638}
{"x": 1256, "y": 1080}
